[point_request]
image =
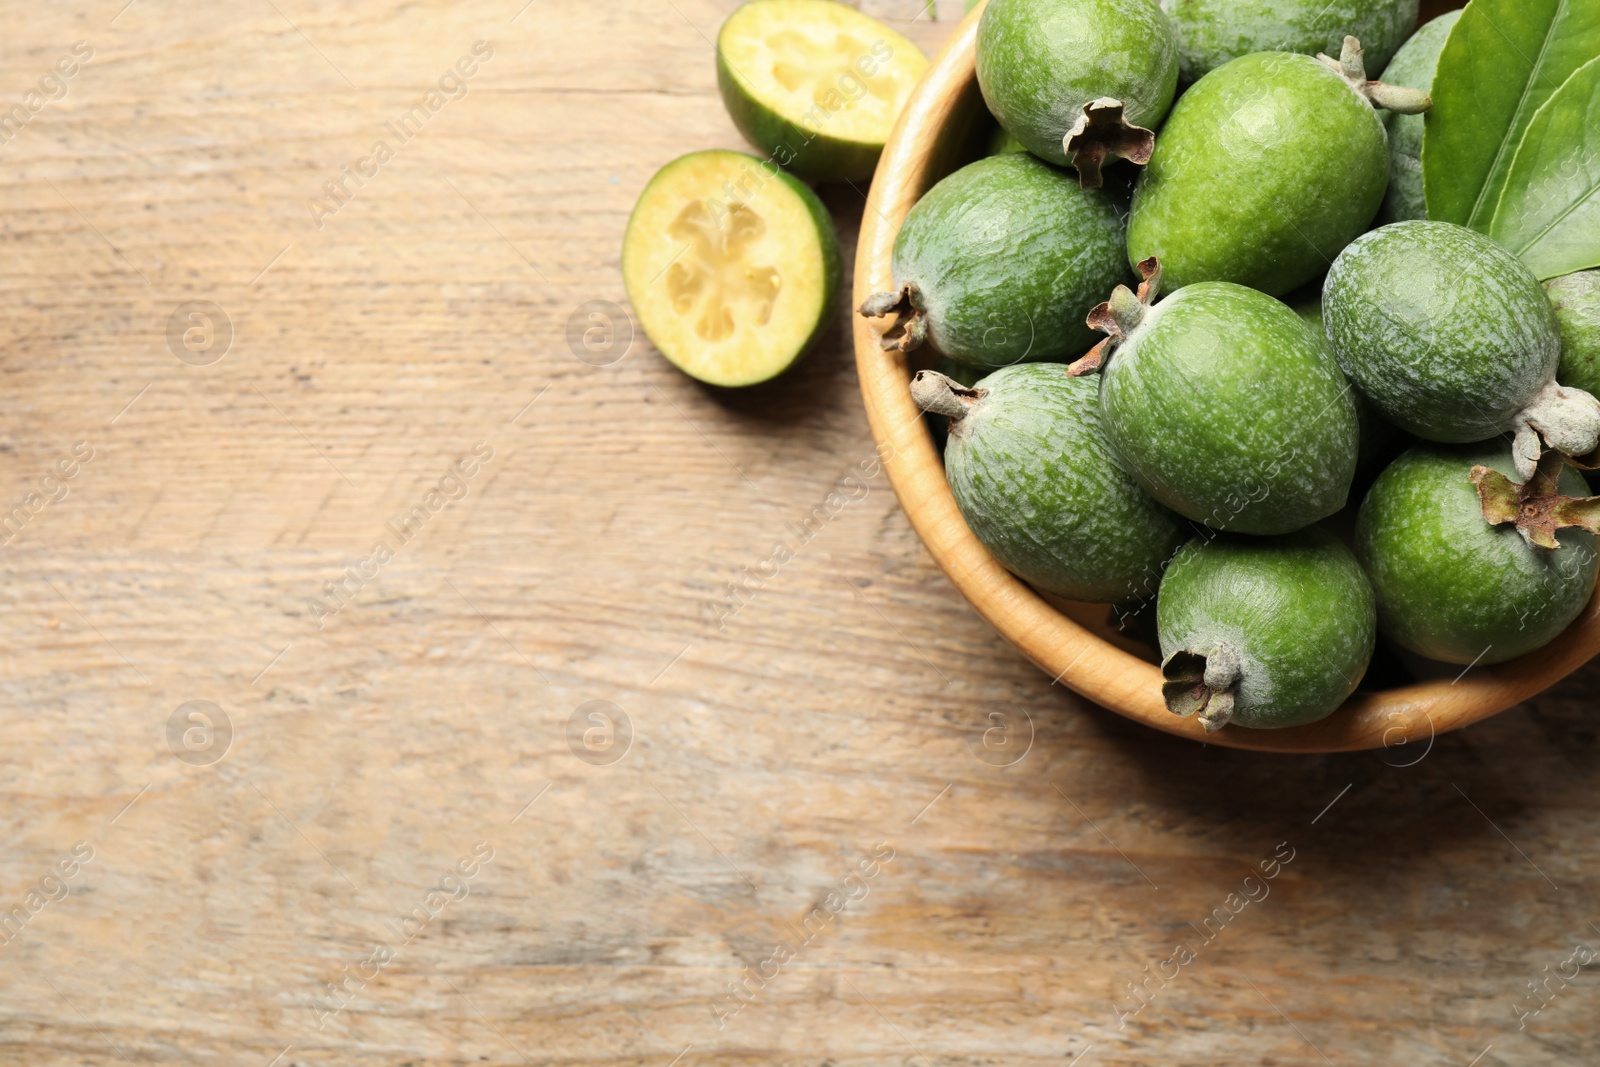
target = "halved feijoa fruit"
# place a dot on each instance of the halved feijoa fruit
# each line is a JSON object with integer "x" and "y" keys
{"x": 815, "y": 84}
{"x": 732, "y": 266}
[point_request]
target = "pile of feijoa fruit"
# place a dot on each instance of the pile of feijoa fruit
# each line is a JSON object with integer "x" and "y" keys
{"x": 1220, "y": 325}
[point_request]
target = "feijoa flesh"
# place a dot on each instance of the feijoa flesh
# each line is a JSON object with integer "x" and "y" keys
{"x": 1264, "y": 632}
{"x": 1413, "y": 67}
{"x": 1078, "y": 82}
{"x": 1213, "y": 32}
{"x": 815, "y": 84}
{"x": 731, "y": 266}
{"x": 1266, "y": 168}
{"x": 1453, "y": 586}
{"x": 1576, "y": 298}
{"x": 1454, "y": 339}
{"x": 1223, "y": 406}
{"x": 1029, "y": 467}
{"x": 999, "y": 263}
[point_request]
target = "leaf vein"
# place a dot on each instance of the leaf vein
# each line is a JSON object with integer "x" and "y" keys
{"x": 1535, "y": 74}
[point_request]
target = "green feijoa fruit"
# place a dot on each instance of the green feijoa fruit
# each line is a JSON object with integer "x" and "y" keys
{"x": 1223, "y": 406}
{"x": 999, "y": 263}
{"x": 1078, "y": 81}
{"x": 815, "y": 84}
{"x": 1413, "y": 67}
{"x": 1267, "y": 167}
{"x": 1576, "y": 298}
{"x": 1450, "y": 585}
{"x": 1213, "y": 32}
{"x": 1264, "y": 632}
{"x": 1028, "y": 465}
{"x": 1453, "y": 338}
{"x": 1376, "y": 436}
{"x": 731, "y": 265}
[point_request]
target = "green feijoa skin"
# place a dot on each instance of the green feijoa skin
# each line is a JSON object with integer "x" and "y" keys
{"x": 1078, "y": 81}
{"x": 1266, "y": 168}
{"x": 1213, "y": 32}
{"x": 1413, "y": 67}
{"x": 1454, "y": 339}
{"x": 1028, "y": 464}
{"x": 815, "y": 84}
{"x": 1000, "y": 262}
{"x": 1223, "y": 406}
{"x": 1451, "y": 586}
{"x": 1576, "y": 298}
{"x": 1264, "y": 632}
{"x": 731, "y": 265}
{"x": 1378, "y": 439}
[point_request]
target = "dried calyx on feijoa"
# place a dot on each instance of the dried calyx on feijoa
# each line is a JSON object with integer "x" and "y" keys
{"x": 1223, "y": 406}
{"x": 1413, "y": 67}
{"x": 1029, "y": 468}
{"x": 815, "y": 84}
{"x": 1213, "y": 32}
{"x": 1266, "y": 168}
{"x": 1454, "y": 339}
{"x": 731, "y": 266}
{"x": 999, "y": 262}
{"x": 1454, "y": 587}
{"x": 1264, "y": 632}
{"x": 1083, "y": 82}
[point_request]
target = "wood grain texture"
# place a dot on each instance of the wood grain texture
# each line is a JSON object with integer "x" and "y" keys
{"x": 846, "y": 705}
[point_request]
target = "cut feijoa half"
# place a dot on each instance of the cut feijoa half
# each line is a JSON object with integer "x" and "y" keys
{"x": 731, "y": 265}
{"x": 815, "y": 84}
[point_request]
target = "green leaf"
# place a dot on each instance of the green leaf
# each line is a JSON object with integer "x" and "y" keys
{"x": 1549, "y": 213}
{"x": 1502, "y": 61}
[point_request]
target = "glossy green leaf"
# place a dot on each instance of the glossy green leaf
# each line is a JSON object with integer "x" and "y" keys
{"x": 1502, "y": 61}
{"x": 1549, "y": 213}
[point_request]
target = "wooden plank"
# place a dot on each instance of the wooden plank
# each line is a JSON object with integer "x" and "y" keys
{"x": 841, "y": 711}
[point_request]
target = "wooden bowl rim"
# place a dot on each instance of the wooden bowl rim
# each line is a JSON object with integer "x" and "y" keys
{"x": 1070, "y": 654}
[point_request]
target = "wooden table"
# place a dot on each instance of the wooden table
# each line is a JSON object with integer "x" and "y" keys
{"x": 846, "y": 825}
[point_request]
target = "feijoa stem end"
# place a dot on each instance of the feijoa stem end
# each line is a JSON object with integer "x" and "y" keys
{"x": 910, "y": 328}
{"x": 1203, "y": 683}
{"x": 1536, "y": 506}
{"x": 1103, "y": 132}
{"x": 1560, "y": 418}
{"x": 1352, "y": 67}
{"x": 943, "y": 395}
{"x": 1117, "y": 317}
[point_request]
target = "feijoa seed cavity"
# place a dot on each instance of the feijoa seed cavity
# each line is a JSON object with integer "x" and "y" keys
{"x": 731, "y": 265}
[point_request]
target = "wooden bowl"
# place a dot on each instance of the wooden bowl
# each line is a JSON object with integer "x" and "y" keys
{"x": 928, "y": 141}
